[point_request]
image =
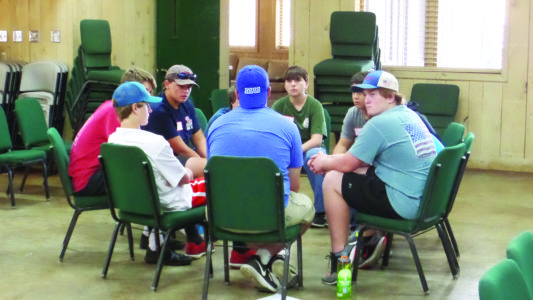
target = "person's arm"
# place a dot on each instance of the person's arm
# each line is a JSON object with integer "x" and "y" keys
{"x": 179, "y": 147}
{"x": 342, "y": 146}
{"x": 294, "y": 177}
{"x": 187, "y": 177}
{"x": 198, "y": 139}
{"x": 321, "y": 163}
{"x": 313, "y": 142}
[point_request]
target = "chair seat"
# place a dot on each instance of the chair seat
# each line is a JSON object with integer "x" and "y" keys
{"x": 342, "y": 67}
{"x": 291, "y": 233}
{"x": 174, "y": 219}
{"x": 112, "y": 76}
{"x": 90, "y": 202}
{"x": 22, "y": 156}
{"x": 408, "y": 226}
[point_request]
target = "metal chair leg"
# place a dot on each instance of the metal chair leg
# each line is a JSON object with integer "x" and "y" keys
{"x": 448, "y": 228}
{"x": 130, "y": 241}
{"x": 226, "y": 263}
{"x": 448, "y": 250}
{"x": 45, "y": 181}
{"x": 26, "y": 173}
{"x": 110, "y": 251}
{"x": 418, "y": 264}
{"x": 10, "y": 189}
{"x": 159, "y": 268}
{"x": 208, "y": 270}
{"x": 73, "y": 221}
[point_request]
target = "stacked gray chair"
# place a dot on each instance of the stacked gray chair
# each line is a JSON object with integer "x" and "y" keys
{"x": 10, "y": 74}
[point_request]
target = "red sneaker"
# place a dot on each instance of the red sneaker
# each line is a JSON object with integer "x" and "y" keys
{"x": 195, "y": 251}
{"x": 237, "y": 260}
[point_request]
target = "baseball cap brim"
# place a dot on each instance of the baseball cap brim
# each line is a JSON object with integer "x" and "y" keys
{"x": 185, "y": 82}
{"x": 358, "y": 88}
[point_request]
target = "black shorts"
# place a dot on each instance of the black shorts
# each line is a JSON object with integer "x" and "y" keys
{"x": 367, "y": 194}
{"x": 95, "y": 186}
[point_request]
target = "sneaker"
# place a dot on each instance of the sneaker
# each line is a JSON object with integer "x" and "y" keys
{"x": 237, "y": 259}
{"x": 263, "y": 278}
{"x": 319, "y": 221}
{"x": 171, "y": 258}
{"x": 372, "y": 251}
{"x": 331, "y": 277}
{"x": 195, "y": 251}
{"x": 278, "y": 264}
{"x": 173, "y": 244}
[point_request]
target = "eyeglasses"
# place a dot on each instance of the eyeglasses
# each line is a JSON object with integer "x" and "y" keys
{"x": 185, "y": 75}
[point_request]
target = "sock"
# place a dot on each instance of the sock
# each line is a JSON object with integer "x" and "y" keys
{"x": 146, "y": 231}
{"x": 193, "y": 236}
{"x": 264, "y": 256}
{"x": 151, "y": 244}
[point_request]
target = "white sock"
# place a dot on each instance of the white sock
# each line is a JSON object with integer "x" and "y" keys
{"x": 264, "y": 256}
{"x": 152, "y": 244}
{"x": 146, "y": 231}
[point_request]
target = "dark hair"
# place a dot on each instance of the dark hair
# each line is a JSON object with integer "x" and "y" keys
{"x": 359, "y": 77}
{"x": 231, "y": 95}
{"x": 295, "y": 73}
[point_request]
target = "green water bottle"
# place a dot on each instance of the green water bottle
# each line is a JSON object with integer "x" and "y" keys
{"x": 344, "y": 278}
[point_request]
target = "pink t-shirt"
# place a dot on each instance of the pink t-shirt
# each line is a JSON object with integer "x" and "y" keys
{"x": 86, "y": 147}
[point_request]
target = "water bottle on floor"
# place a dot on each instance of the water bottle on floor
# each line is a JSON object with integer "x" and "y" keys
{"x": 344, "y": 278}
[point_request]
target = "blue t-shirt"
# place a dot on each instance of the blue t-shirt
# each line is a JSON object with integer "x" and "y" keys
{"x": 400, "y": 147}
{"x": 258, "y": 132}
{"x": 169, "y": 122}
{"x": 217, "y": 115}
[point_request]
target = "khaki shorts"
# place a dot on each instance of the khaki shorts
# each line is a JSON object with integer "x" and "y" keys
{"x": 300, "y": 209}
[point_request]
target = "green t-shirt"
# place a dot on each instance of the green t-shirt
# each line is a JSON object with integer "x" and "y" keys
{"x": 310, "y": 120}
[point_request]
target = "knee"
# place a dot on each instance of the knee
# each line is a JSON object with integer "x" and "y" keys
{"x": 332, "y": 181}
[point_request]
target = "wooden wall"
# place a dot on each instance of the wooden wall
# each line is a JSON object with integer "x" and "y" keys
{"x": 499, "y": 105}
{"x": 132, "y": 25}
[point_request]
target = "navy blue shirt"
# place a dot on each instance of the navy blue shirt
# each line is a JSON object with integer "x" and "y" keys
{"x": 169, "y": 122}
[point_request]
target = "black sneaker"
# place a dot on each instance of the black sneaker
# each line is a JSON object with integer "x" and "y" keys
{"x": 171, "y": 258}
{"x": 331, "y": 277}
{"x": 277, "y": 264}
{"x": 373, "y": 249}
{"x": 319, "y": 221}
{"x": 264, "y": 279}
{"x": 173, "y": 244}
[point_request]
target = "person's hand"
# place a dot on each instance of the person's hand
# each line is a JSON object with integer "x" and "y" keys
{"x": 316, "y": 162}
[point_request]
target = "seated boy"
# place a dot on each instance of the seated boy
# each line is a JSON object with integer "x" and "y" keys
{"x": 177, "y": 189}
{"x": 307, "y": 113}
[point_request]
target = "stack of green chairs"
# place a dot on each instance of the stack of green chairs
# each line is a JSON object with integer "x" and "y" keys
{"x": 93, "y": 78}
{"x": 354, "y": 48}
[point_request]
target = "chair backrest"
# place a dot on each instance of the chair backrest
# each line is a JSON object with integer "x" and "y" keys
{"x": 202, "y": 120}
{"x": 130, "y": 182}
{"x": 439, "y": 186}
{"x": 219, "y": 99}
{"x": 31, "y": 122}
{"x": 61, "y": 160}
{"x": 352, "y": 34}
{"x": 40, "y": 76}
{"x": 327, "y": 140}
{"x": 520, "y": 249}
{"x": 439, "y": 102}
{"x": 95, "y": 43}
{"x": 503, "y": 281}
{"x": 453, "y": 134}
{"x": 244, "y": 194}
{"x": 5, "y": 138}
{"x": 469, "y": 139}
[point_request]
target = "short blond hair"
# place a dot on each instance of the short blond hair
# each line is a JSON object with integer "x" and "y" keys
{"x": 137, "y": 74}
{"x": 123, "y": 112}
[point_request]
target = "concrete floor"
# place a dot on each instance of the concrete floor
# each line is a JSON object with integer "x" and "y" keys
{"x": 491, "y": 208}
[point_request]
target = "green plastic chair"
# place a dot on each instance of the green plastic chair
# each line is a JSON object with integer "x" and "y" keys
{"x": 219, "y": 99}
{"x": 10, "y": 159}
{"x": 327, "y": 140}
{"x": 247, "y": 206}
{"x": 433, "y": 205}
{"x": 80, "y": 204}
{"x": 453, "y": 134}
{"x": 519, "y": 250}
{"x": 468, "y": 141}
{"x": 132, "y": 192}
{"x": 202, "y": 120}
{"x": 503, "y": 281}
{"x": 438, "y": 102}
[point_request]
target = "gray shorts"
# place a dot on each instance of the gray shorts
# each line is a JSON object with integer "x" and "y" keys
{"x": 300, "y": 209}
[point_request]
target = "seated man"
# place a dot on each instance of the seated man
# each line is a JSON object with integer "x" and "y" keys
{"x": 400, "y": 150}
{"x": 252, "y": 129}
{"x": 177, "y": 189}
{"x": 307, "y": 113}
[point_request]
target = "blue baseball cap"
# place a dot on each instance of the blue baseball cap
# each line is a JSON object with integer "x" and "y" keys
{"x": 377, "y": 79}
{"x": 252, "y": 86}
{"x": 131, "y": 92}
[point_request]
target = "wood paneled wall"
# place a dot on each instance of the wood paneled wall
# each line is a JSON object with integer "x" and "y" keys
{"x": 132, "y": 25}
{"x": 499, "y": 105}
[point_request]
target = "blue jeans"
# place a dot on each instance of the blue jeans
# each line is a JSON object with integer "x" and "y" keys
{"x": 315, "y": 179}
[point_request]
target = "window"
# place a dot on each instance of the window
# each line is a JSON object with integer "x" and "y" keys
{"x": 242, "y": 23}
{"x": 445, "y": 33}
{"x": 283, "y": 23}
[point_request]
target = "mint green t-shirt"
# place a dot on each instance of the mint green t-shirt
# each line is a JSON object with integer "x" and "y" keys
{"x": 310, "y": 119}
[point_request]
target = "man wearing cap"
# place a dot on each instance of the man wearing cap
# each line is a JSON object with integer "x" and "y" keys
{"x": 175, "y": 119}
{"x": 177, "y": 189}
{"x": 400, "y": 150}
{"x": 252, "y": 129}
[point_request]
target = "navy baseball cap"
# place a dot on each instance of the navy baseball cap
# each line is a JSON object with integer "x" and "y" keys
{"x": 377, "y": 79}
{"x": 252, "y": 86}
{"x": 131, "y": 92}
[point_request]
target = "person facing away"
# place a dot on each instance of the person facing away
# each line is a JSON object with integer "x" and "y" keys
{"x": 233, "y": 103}
{"x": 239, "y": 133}
{"x": 177, "y": 189}
{"x": 175, "y": 119}
{"x": 399, "y": 149}
{"x": 84, "y": 167}
{"x": 307, "y": 113}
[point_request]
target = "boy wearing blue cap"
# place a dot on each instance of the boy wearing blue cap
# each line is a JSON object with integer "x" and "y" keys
{"x": 177, "y": 189}
{"x": 399, "y": 149}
